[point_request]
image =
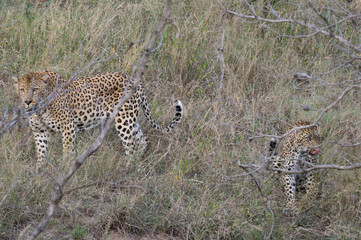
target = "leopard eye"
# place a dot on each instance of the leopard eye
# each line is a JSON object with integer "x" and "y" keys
{"x": 22, "y": 90}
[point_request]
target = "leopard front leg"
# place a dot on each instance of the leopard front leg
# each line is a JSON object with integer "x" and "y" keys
{"x": 310, "y": 176}
{"x": 289, "y": 183}
{"x": 309, "y": 182}
{"x": 41, "y": 142}
{"x": 68, "y": 137}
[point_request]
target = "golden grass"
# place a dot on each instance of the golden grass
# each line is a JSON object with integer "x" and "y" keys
{"x": 188, "y": 184}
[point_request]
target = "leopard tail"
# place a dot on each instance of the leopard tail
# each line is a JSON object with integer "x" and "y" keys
{"x": 148, "y": 114}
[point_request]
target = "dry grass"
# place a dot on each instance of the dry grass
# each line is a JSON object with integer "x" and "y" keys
{"x": 188, "y": 184}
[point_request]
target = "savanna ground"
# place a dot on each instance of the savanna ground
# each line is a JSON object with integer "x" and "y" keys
{"x": 188, "y": 184}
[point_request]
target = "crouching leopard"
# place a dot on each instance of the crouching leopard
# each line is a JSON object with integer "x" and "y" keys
{"x": 298, "y": 152}
{"x": 81, "y": 104}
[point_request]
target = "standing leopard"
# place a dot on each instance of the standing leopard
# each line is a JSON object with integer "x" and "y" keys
{"x": 81, "y": 104}
{"x": 298, "y": 152}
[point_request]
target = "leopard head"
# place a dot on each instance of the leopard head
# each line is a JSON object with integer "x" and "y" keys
{"x": 31, "y": 88}
{"x": 308, "y": 138}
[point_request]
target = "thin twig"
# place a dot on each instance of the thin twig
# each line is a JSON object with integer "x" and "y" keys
{"x": 8, "y": 24}
{"x": 102, "y": 182}
{"x": 221, "y": 56}
{"x": 8, "y": 192}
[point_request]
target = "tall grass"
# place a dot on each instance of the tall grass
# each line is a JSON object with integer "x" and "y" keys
{"x": 187, "y": 185}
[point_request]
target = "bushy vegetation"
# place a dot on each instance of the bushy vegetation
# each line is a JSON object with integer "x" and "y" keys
{"x": 188, "y": 184}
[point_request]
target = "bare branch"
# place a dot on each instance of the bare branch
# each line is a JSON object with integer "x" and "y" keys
{"x": 326, "y": 109}
{"x": 57, "y": 192}
{"x": 314, "y": 167}
{"x": 319, "y": 30}
{"x": 340, "y": 144}
{"x": 266, "y": 237}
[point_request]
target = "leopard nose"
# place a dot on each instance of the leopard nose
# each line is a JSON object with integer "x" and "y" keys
{"x": 28, "y": 102}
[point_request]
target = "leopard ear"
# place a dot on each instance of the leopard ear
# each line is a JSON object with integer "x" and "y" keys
{"x": 45, "y": 78}
{"x": 15, "y": 79}
{"x": 47, "y": 85}
{"x": 16, "y": 82}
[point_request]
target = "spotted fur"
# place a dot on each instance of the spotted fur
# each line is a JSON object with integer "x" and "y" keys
{"x": 298, "y": 153}
{"x": 82, "y": 104}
